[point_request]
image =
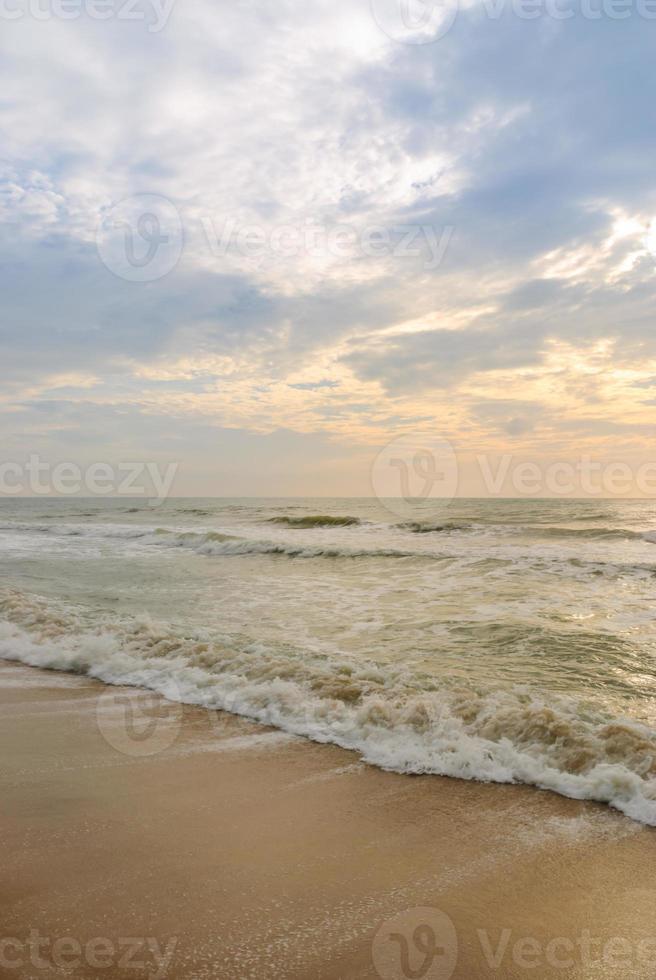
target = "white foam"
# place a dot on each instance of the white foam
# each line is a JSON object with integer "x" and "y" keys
{"x": 388, "y": 715}
{"x": 215, "y": 543}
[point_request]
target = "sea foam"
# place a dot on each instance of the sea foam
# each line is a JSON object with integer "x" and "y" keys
{"x": 396, "y": 718}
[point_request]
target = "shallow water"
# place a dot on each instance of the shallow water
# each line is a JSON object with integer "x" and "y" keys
{"x": 499, "y": 640}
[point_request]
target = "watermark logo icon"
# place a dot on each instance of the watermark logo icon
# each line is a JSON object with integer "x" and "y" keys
{"x": 417, "y": 944}
{"x": 412, "y": 470}
{"x": 415, "y": 21}
{"x": 138, "y": 723}
{"x": 140, "y": 238}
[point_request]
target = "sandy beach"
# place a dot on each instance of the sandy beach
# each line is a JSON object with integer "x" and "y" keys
{"x": 142, "y": 839}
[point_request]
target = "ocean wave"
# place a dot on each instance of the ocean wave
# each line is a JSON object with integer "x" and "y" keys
{"x": 588, "y": 533}
{"x": 536, "y": 531}
{"x": 78, "y": 530}
{"x": 395, "y": 717}
{"x": 426, "y": 527}
{"x": 315, "y": 520}
{"x": 218, "y": 544}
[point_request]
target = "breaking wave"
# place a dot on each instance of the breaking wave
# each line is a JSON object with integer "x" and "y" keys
{"x": 534, "y": 531}
{"x": 215, "y": 543}
{"x": 397, "y": 718}
{"x": 315, "y": 520}
{"x": 424, "y": 527}
{"x": 220, "y": 544}
{"x": 587, "y": 533}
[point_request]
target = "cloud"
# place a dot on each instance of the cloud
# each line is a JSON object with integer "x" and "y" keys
{"x": 442, "y": 358}
{"x": 513, "y": 417}
{"x": 314, "y": 385}
{"x": 530, "y": 139}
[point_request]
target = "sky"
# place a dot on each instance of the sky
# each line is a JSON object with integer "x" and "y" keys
{"x": 269, "y": 241}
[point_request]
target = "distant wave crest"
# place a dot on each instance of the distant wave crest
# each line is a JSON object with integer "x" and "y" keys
{"x": 215, "y": 543}
{"x": 315, "y": 520}
{"x": 427, "y": 527}
{"x": 533, "y": 531}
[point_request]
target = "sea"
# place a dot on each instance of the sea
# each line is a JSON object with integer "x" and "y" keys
{"x": 507, "y": 641}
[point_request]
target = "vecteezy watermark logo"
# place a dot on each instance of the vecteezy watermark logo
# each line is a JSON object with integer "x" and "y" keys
{"x": 229, "y": 238}
{"x": 411, "y": 470}
{"x": 415, "y": 21}
{"x": 153, "y": 12}
{"x": 60, "y": 955}
{"x": 140, "y": 238}
{"x": 138, "y": 723}
{"x": 563, "y": 10}
{"x": 423, "y": 21}
{"x": 582, "y": 477}
{"x": 418, "y": 944}
{"x": 40, "y": 477}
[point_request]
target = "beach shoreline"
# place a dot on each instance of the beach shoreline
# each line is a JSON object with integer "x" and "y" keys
{"x": 231, "y": 850}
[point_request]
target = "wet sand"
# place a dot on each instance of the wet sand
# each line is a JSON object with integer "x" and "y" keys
{"x": 141, "y": 839}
